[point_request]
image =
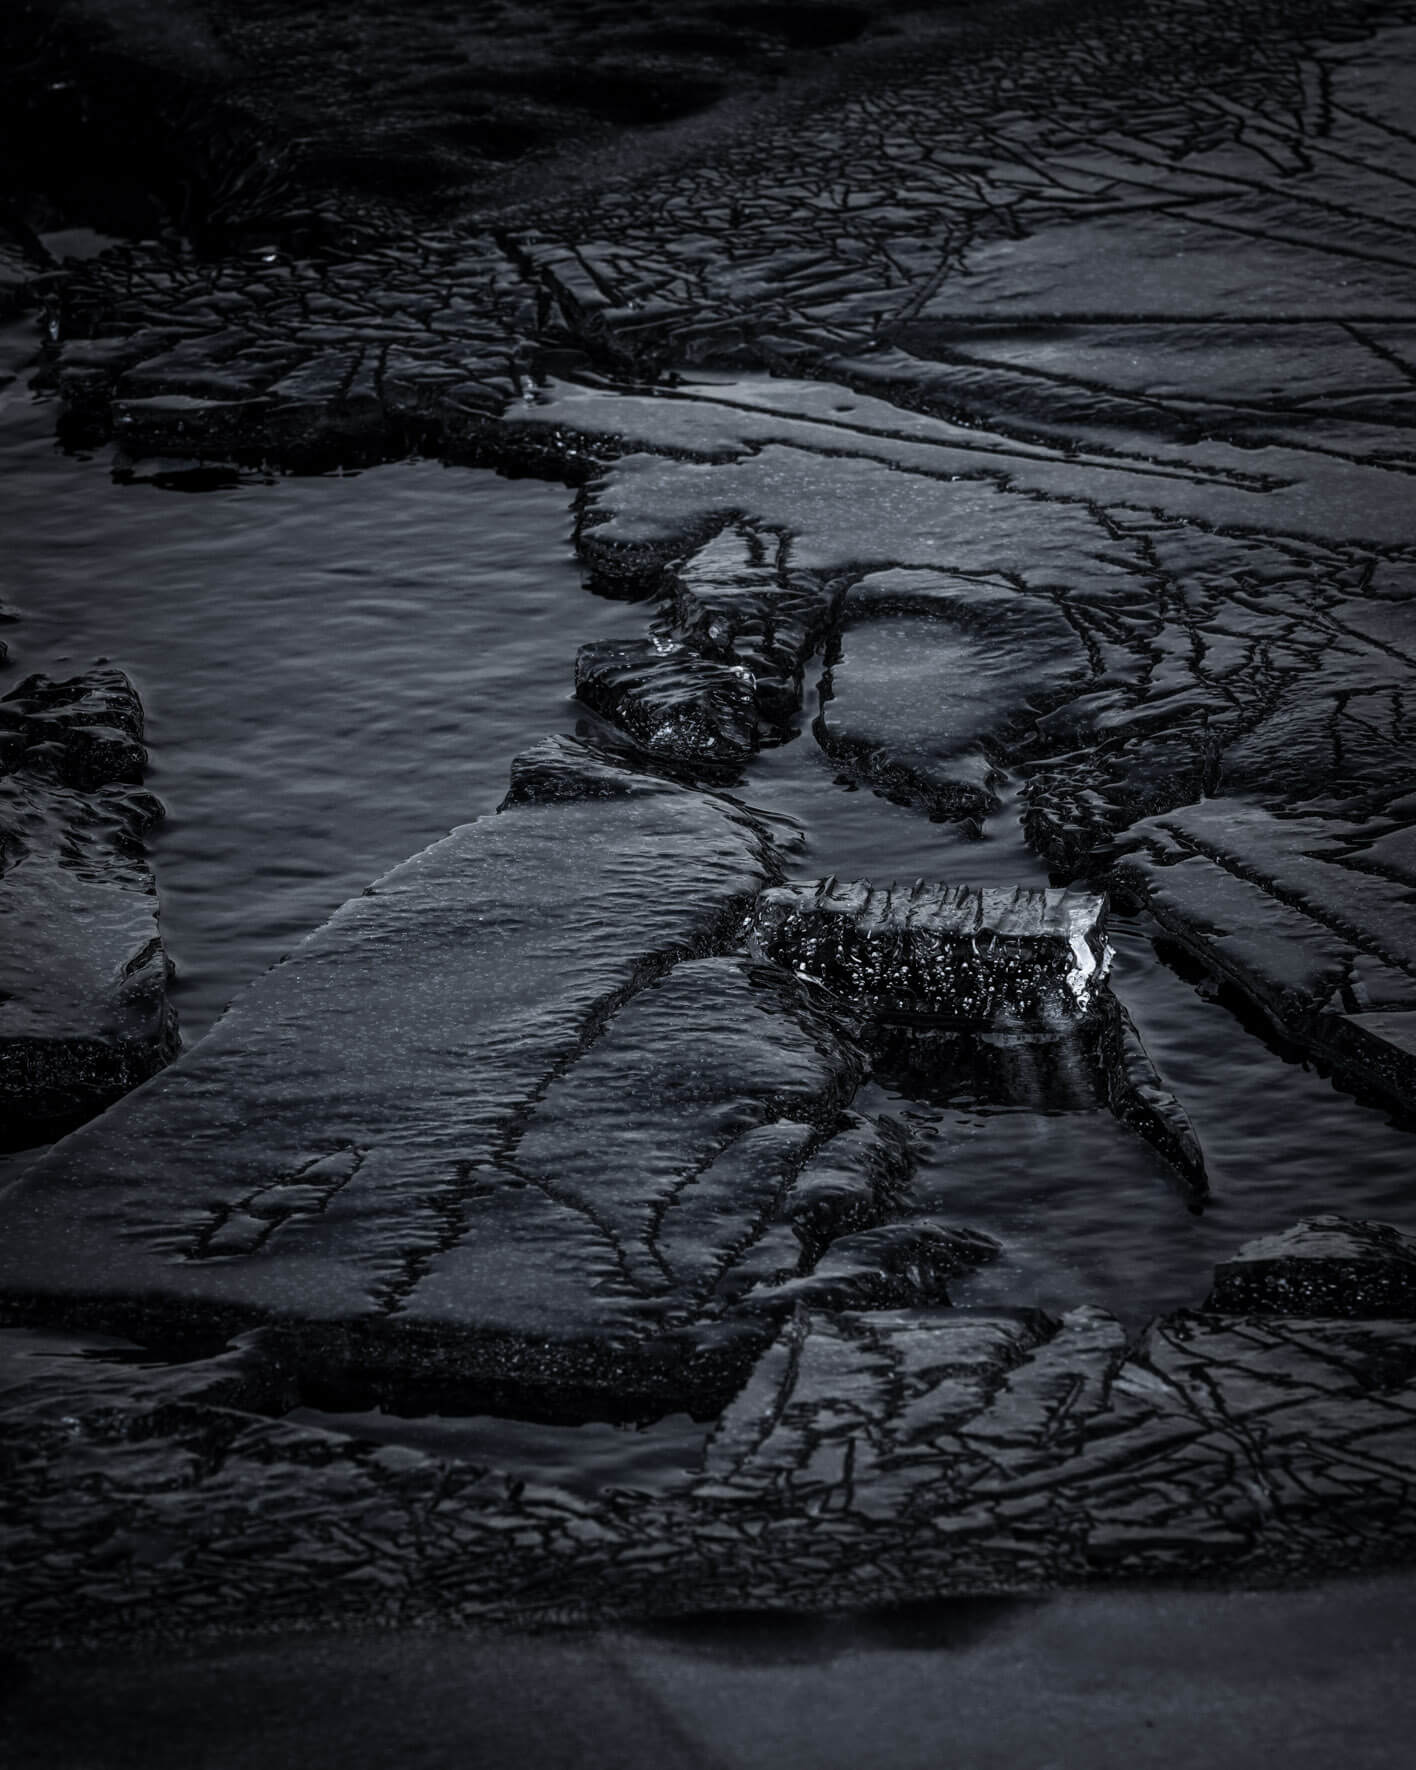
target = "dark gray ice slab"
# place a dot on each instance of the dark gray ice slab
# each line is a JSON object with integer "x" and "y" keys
{"x": 483, "y": 1130}
{"x": 982, "y": 958}
{"x": 674, "y": 703}
{"x": 936, "y": 680}
{"x": 735, "y": 599}
{"x": 986, "y": 992}
{"x": 1324, "y": 1267}
{"x": 1221, "y": 257}
{"x": 84, "y": 1014}
{"x": 1311, "y": 918}
{"x": 334, "y": 1153}
{"x": 720, "y": 671}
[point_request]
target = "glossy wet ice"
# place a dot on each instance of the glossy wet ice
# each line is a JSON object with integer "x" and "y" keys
{"x": 336, "y": 670}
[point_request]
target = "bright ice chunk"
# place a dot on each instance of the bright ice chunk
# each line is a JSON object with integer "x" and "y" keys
{"x": 990, "y": 957}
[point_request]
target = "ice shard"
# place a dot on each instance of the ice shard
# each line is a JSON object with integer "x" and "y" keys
{"x": 1139, "y": 1097}
{"x": 671, "y": 701}
{"x": 985, "y": 958}
{"x": 937, "y": 679}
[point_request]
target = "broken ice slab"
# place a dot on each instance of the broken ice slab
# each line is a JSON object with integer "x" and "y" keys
{"x": 989, "y": 957}
{"x": 1140, "y": 1098}
{"x": 84, "y": 1014}
{"x": 1311, "y": 918}
{"x": 897, "y": 1407}
{"x": 671, "y": 701}
{"x": 395, "y": 1044}
{"x": 720, "y": 671}
{"x": 505, "y": 1124}
{"x": 731, "y": 602}
{"x": 1325, "y": 1267}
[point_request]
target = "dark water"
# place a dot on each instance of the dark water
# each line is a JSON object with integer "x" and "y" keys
{"x": 335, "y": 670}
{"x": 339, "y": 669}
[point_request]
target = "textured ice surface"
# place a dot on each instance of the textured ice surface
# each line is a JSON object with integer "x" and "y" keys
{"x": 985, "y": 957}
{"x": 1324, "y": 1267}
{"x": 1108, "y": 319}
{"x": 935, "y": 679}
{"x": 873, "y": 1455}
{"x": 83, "y": 975}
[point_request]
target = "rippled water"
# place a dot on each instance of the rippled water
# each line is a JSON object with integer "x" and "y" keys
{"x": 337, "y": 670}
